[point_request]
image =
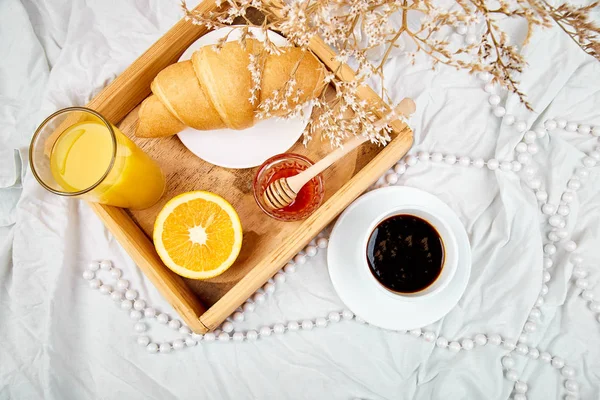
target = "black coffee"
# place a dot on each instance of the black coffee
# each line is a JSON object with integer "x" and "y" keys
{"x": 405, "y": 253}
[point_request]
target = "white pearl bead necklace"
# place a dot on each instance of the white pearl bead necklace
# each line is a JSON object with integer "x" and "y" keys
{"x": 129, "y": 301}
{"x": 523, "y": 150}
{"x": 227, "y": 333}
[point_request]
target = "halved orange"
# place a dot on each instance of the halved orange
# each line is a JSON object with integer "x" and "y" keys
{"x": 198, "y": 235}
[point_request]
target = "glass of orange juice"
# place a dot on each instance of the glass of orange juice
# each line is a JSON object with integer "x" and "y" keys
{"x": 76, "y": 152}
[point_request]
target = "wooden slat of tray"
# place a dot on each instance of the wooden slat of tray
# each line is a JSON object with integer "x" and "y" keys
{"x": 268, "y": 244}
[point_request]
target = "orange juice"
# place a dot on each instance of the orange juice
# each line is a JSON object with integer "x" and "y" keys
{"x": 85, "y": 156}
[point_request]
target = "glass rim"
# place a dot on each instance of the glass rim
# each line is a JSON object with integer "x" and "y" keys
{"x": 38, "y": 132}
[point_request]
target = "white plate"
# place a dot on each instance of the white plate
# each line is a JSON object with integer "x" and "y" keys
{"x": 249, "y": 147}
{"x": 361, "y": 294}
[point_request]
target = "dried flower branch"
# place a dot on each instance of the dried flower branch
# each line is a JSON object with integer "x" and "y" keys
{"x": 576, "y": 22}
{"x": 367, "y": 34}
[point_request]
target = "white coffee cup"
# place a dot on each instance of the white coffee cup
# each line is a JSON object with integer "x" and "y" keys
{"x": 450, "y": 249}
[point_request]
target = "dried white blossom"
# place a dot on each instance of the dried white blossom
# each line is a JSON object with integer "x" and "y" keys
{"x": 256, "y": 72}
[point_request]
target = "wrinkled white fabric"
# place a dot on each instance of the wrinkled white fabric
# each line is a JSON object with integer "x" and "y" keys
{"x": 61, "y": 340}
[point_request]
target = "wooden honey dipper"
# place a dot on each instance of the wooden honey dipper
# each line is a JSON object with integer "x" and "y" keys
{"x": 283, "y": 191}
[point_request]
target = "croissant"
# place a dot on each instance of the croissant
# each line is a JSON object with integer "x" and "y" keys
{"x": 212, "y": 90}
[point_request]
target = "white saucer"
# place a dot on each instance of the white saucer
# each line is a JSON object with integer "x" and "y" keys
{"x": 361, "y": 294}
{"x": 249, "y": 147}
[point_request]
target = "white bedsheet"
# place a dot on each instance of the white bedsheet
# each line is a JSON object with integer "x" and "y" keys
{"x": 61, "y": 340}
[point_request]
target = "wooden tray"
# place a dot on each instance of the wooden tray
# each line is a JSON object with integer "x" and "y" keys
{"x": 268, "y": 244}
